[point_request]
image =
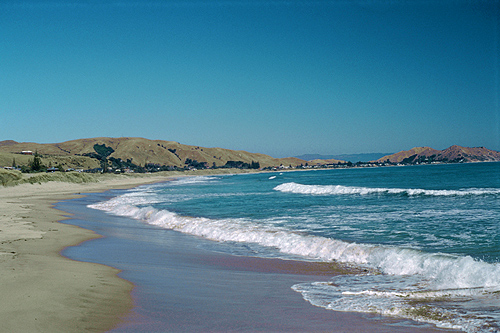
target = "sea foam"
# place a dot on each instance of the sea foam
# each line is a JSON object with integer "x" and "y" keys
{"x": 438, "y": 270}
{"x": 450, "y": 290}
{"x": 409, "y": 276}
{"x": 340, "y": 189}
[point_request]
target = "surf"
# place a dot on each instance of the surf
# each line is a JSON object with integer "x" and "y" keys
{"x": 430, "y": 254}
{"x": 441, "y": 270}
{"x": 293, "y": 187}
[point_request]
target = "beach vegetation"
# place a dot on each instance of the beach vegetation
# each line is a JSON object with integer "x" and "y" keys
{"x": 15, "y": 177}
{"x": 69, "y": 177}
{"x": 10, "y": 177}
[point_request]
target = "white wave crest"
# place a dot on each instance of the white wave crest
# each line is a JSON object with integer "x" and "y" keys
{"x": 340, "y": 189}
{"x": 193, "y": 180}
{"x": 439, "y": 270}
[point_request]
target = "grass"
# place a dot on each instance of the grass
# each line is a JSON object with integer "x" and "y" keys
{"x": 66, "y": 177}
{"x": 10, "y": 177}
{"x": 13, "y": 177}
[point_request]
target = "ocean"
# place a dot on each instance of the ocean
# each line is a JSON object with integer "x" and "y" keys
{"x": 427, "y": 238}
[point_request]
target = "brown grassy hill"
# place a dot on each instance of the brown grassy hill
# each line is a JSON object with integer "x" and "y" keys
{"x": 451, "y": 154}
{"x": 476, "y": 154}
{"x": 66, "y": 162}
{"x": 140, "y": 151}
{"x": 418, "y": 151}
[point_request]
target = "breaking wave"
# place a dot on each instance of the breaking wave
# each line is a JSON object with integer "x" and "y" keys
{"x": 409, "y": 277}
{"x": 440, "y": 270}
{"x": 340, "y": 190}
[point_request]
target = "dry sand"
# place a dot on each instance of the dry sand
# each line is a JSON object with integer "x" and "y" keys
{"x": 42, "y": 291}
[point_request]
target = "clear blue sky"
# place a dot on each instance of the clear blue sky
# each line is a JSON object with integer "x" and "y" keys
{"x": 278, "y": 77}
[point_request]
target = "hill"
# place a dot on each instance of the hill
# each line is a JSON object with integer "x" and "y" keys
{"x": 453, "y": 154}
{"x": 82, "y": 153}
{"x": 123, "y": 153}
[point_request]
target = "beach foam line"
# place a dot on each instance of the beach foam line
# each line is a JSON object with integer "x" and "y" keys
{"x": 410, "y": 278}
{"x": 441, "y": 271}
{"x": 343, "y": 190}
{"x": 410, "y": 305}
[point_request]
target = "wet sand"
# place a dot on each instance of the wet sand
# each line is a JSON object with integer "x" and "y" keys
{"x": 42, "y": 291}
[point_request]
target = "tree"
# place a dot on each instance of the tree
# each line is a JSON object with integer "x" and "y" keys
{"x": 102, "y": 150}
{"x": 255, "y": 165}
{"x": 14, "y": 163}
{"x": 104, "y": 165}
{"x": 195, "y": 164}
{"x": 101, "y": 153}
{"x": 36, "y": 164}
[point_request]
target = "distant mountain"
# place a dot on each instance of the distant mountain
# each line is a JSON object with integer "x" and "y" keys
{"x": 453, "y": 154}
{"x": 7, "y": 143}
{"x": 82, "y": 153}
{"x": 365, "y": 157}
{"x": 327, "y": 161}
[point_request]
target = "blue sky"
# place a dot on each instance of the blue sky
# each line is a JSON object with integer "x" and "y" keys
{"x": 282, "y": 78}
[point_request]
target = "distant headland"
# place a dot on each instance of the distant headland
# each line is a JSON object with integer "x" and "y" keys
{"x": 126, "y": 154}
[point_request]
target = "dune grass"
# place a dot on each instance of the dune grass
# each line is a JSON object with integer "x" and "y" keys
{"x": 10, "y": 177}
{"x": 13, "y": 177}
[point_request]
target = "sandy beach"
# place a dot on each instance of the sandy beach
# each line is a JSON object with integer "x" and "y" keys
{"x": 41, "y": 290}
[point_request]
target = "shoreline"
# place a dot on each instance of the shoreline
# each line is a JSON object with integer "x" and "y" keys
{"x": 183, "y": 285}
{"x": 41, "y": 289}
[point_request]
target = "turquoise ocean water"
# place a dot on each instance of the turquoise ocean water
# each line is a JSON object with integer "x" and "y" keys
{"x": 428, "y": 236}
